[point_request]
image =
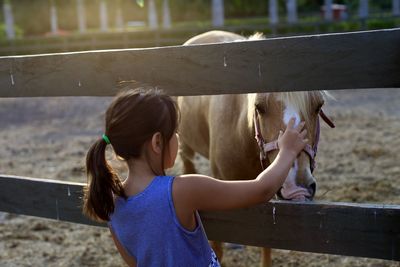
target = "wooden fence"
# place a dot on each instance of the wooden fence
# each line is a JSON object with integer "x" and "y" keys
{"x": 333, "y": 61}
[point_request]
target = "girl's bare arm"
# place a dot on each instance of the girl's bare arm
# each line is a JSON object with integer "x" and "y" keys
{"x": 198, "y": 192}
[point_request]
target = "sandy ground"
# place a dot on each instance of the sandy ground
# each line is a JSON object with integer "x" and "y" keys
{"x": 48, "y": 138}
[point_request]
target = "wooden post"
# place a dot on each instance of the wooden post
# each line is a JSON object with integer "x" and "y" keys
{"x": 291, "y": 6}
{"x": 53, "y": 18}
{"x": 217, "y": 13}
{"x": 396, "y": 7}
{"x": 273, "y": 15}
{"x": 166, "y": 15}
{"x": 80, "y": 6}
{"x": 328, "y": 12}
{"x": 9, "y": 20}
{"x": 153, "y": 20}
{"x": 103, "y": 16}
{"x": 119, "y": 20}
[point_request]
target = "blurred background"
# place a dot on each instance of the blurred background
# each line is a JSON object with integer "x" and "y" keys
{"x": 42, "y": 26}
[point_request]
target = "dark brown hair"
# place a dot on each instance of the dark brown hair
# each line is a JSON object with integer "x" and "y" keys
{"x": 131, "y": 120}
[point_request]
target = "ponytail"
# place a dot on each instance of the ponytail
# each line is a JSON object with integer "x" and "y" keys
{"x": 103, "y": 183}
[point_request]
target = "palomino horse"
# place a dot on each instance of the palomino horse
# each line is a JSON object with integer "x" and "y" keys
{"x": 222, "y": 128}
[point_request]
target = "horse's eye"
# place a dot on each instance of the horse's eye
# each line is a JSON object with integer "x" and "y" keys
{"x": 260, "y": 108}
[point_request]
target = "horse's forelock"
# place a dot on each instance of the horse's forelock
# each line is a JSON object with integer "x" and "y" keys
{"x": 301, "y": 101}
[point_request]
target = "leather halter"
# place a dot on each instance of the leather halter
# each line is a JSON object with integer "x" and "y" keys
{"x": 273, "y": 145}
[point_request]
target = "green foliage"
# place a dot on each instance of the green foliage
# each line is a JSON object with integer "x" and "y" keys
{"x": 382, "y": 24}
{"x": 140, "y": 3}
{"x": 33, "y": 16}
{"x": 3, "y": 35}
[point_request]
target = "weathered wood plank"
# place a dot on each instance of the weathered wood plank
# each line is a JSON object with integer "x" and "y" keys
{"x": 43, "y": 198}
{"x": 368, "y": 59}
{"x": 336, "y": 228}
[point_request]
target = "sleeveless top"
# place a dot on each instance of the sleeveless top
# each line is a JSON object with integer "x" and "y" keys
{"x": 147, "y": 227}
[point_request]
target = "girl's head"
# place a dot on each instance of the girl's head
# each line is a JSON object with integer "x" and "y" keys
{"x": 137, "y": 122}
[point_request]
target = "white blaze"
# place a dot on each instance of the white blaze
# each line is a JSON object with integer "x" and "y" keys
{"x": 289, "y": 113}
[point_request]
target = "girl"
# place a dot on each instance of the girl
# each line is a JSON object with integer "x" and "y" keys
{"x": 152, "y": 217}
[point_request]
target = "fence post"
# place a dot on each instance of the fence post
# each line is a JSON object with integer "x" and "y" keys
{"x": 9, "y": 20}
{"x": 396, "y": 7}
{"x": 328, "y": 12}
{"x": 273, "y": 15}
{"x": 153, "y": 21}
{"x": 119, "y": 20}
{"x": 53, "y": 18}
{"x": 363, "y": 13}
{"x": 291, "y": 6}
{"x": 80, "y": 7}
{"x": 217, "y": 13}
{"x": 103, "y": 16}
{"x": 166, "y": 15}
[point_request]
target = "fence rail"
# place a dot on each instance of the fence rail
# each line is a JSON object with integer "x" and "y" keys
{"x": 363, "y": 230}
{"x": 367, "y": 59}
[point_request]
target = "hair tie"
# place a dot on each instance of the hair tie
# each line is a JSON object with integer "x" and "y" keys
{"x": 105, "y": 138}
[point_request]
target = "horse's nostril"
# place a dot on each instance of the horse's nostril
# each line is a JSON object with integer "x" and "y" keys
{"x": 312, "y": 189}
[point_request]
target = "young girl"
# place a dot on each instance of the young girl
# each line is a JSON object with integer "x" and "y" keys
{"x": 153, "y": 218}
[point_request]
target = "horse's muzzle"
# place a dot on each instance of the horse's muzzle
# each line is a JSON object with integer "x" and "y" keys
{"x": 312, "y": 188}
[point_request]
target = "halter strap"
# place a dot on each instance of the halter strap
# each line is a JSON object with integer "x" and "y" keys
{"x": 273, "y": 145}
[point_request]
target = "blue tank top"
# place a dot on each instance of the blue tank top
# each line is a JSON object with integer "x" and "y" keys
{"x": 147, "y": 227}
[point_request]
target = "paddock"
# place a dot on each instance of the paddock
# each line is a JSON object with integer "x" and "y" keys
{"x": 334, "y": 61}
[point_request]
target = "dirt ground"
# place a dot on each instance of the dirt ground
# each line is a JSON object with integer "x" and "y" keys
{"x": 358, "y": 161}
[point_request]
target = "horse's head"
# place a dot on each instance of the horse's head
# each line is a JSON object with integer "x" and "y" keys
{"x": 271, "y": 113}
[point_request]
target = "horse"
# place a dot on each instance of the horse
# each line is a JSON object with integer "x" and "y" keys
{"x": 238, "y": 133}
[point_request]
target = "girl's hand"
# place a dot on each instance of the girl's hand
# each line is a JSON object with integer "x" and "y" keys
{"x": 293, "y": 139}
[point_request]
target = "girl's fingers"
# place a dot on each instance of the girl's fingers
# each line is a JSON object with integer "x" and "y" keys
{"x": 280, "y": 134}
{"x": 300, "y": 126}
{"x": 303, "y": 133}
{"x": 291, "y": 123}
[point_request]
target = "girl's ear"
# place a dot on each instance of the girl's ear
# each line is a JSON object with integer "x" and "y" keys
{"x": 156, "y": 143}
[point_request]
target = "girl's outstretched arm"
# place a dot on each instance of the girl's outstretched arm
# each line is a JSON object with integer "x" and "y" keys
{"x": 198, "y": 192}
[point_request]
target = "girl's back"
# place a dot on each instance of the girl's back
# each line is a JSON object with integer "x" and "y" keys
{"x": 147, "y": 226}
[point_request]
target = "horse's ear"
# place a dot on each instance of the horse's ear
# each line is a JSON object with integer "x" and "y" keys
{"x": 261, "y": 103}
